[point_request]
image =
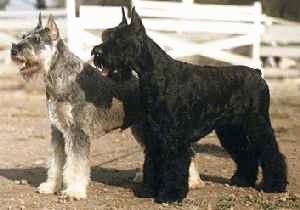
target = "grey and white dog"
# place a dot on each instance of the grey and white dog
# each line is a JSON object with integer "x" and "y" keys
{"x": 81, "y": 102}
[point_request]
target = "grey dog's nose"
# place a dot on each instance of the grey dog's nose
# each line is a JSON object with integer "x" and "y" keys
{"x": 14, "y": 50}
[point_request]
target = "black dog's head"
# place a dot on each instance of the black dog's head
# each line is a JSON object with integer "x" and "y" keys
{"x": 35, "y": 50}
{"x": 122, "y": 45}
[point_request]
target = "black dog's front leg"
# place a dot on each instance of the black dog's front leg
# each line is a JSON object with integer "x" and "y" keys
{"x": 152, "y": 163}
{"x": 151, "y": 172}
{"x": 175, "y": 173}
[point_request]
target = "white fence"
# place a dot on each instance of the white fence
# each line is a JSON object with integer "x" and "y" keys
{"x": 287, "y": 45}
{"x": 243, "y": 25}
{"x": 168, "y": 23}
{"x": 179, "y": 28}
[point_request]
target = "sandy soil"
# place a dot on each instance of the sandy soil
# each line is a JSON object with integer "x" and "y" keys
{"x": 24, "y": 141}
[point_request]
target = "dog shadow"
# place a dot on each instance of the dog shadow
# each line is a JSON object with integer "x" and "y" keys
{"x": 114, "y": 177}
{"x": 108, "y": 176}
{"x": 33, "y": 176}
{"x": 210, "y": 149}
{"x": 214, "y": 179}
{"x": 36, "y": 175}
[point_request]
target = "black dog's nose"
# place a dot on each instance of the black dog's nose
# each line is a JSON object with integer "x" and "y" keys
{"x": 97, "y": 50}
{"x": 14, "y": 50}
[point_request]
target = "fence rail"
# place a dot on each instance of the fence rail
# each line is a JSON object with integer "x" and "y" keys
{"x": 242, "y": 23}
{"x": 173, "y": 25}
{"x": 287, "y": 45}
{"x": 25, "y": 20}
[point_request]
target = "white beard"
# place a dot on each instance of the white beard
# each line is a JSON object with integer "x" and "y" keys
{"x": 46, "y": 56}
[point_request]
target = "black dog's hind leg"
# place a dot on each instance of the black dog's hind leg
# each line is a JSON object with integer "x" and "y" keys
{"x": 243, "y": 152}
{"x": 176, "y": 159}
{"x": 272, "y": 161}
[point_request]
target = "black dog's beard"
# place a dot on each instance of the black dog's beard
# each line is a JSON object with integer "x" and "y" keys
{"x": 100, "y": 63}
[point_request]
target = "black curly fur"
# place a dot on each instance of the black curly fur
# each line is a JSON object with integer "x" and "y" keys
{"x": 100, "y": 90}
{"x": 184, "y": 102}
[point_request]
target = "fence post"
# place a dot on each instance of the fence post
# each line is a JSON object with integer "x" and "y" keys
{"x": 257, "y": 36}
{"x": 73, "y": 30}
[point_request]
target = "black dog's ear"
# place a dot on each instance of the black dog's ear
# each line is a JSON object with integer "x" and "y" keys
{"x": 53, "y": 29}
{"x": 124, "y": 20}
{"x": 136, "y": 21}
{"x": 39, "y": 25}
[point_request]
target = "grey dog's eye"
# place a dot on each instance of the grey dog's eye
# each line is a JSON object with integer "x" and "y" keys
{"x": 23, "y": 36}
{"x": 37, "y": 38}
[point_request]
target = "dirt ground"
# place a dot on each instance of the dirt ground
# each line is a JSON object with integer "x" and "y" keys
{"x": 24, "y": 142}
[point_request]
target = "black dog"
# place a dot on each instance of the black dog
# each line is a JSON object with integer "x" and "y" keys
{"x": 184, "y": 102}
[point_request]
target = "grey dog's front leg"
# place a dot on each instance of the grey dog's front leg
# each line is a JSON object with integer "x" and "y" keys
{"x": 57, "y": 160}
{"x": 76, "y": 174}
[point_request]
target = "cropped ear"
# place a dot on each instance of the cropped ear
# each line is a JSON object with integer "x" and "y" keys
{"x": 136, "y": 21}
{"x": 124, "y": 20}
{"x": 53, "y": 29}
{"x": 39, "y": 25}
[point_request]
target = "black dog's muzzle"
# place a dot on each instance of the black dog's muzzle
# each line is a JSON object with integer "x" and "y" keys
{"x": 97, "y": 52}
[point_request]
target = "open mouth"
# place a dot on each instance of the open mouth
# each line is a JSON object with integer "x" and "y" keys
{"x": 103, "y": 70}
{"x": 26, "y": 68}
{"x": 99, "y": 64}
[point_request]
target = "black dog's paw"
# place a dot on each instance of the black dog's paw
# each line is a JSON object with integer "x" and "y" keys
{"x": 164, "y": 197}
{"x": 278, "y": 187}
{"x": 145, "y": 192}
{"x": 241, "y": 181}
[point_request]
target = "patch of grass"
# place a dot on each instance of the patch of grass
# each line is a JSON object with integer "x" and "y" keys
{"x": 226, "y": 202}
{"x": 283, "y": 202}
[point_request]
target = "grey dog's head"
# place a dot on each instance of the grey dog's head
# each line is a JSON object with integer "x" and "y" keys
{"x": 122, "y": 45}
{"x": 34, "y": 52}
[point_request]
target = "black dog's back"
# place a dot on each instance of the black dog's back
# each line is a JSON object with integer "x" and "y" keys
{"x": 213, "y": 94}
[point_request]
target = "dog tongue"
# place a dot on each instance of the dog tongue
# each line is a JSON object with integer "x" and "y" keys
{"x": 20, "y": 65}
{"x": 29, "y": 71}
{"x": 104, "y": 71}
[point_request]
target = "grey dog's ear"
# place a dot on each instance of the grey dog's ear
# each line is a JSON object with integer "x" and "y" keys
{"x": 136, "y": 21}
{"x": 39, "y": 25}
{"x": 53, "y": 29}
{"x": 124, "y": 20}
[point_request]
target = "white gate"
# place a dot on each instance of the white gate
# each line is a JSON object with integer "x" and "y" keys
{"x": 168, "y": 23}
